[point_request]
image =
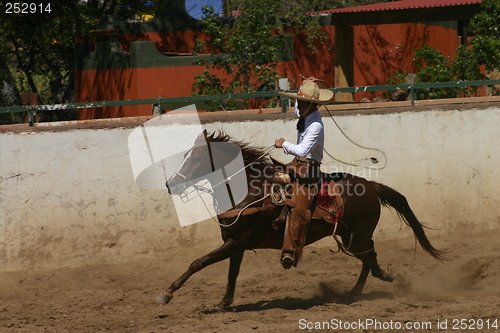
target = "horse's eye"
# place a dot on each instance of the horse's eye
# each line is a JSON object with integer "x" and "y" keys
{"x": 197, "y": 153}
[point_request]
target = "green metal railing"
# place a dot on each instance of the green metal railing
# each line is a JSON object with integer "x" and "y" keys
{"x": 417, "y": 86}
{"x": 31, "y": 110}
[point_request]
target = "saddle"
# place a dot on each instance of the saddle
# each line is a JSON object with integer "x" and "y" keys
{"x": 327, "y": 205}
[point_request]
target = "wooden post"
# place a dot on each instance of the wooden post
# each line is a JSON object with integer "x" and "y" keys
{"x": 344, "y": 58}
{"x": 411, "y": 96}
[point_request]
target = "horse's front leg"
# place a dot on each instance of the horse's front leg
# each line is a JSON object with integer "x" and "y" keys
{"x": 223, "y": 252}
{"x": 234, "y": 270}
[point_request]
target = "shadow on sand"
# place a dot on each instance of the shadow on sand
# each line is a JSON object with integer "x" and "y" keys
{"x": 327, "y": 296}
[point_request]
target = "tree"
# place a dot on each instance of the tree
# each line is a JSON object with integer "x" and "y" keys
{"x": 246, "y": 48}
{"x": 433, "y": 66}
{"x": 243, "y": 49}
{"x": 37, "y": 50}
{"x": 485, "y": 43}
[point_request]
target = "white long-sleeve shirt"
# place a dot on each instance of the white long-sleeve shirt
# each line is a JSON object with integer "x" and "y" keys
{"x": 311, "y": 141}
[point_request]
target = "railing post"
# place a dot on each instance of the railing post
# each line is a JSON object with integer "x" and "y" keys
{"x": 156, "y": 108}
{"x": 31, "y": 117}
{"x": 284, "y": 104}
{"x": 30, "y": 100}
{"x": 411, "y": 79}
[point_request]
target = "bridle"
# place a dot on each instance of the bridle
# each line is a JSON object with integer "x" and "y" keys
{"x": 203, "y": 189}
{"x": 186, "y": 178}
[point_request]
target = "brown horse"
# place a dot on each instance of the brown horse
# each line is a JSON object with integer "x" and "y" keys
{"x": 362, "y": 205}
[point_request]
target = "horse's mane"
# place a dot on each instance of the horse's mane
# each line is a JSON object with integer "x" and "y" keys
{"x": 250, "y": 153}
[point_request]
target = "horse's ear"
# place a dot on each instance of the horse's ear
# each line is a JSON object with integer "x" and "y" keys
{"x": 202, "y": 138}
{"x": 208, "y": 137}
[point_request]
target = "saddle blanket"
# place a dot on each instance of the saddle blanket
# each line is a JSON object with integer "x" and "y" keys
{"x": 329, "y": 201}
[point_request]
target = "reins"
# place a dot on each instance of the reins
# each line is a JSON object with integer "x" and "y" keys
{"x": 228, "y": 179}
{"x": 241, "y": 212}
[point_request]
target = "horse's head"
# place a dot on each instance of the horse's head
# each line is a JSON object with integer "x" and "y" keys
{"x": 197, "y": 163}
{"x": 223, "y": 163}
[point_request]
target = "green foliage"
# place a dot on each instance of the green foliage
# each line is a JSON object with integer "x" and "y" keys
{"x": 485, "y": 45}
{"x": 466, "y": 65}
{"x": 432, "y": 66}
{"x": 243, "y": 49}
{"x": 37, "y": 51}
{"x": 246, "y": 48}
{"x": 399, "y": 78}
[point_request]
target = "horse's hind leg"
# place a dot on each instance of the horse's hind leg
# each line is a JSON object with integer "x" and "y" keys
{"x": 368, "y": 256}
{"x": 353, "y": 294}
{"x": 223, "y": 252}
{"x": 234, "y": 270}
{"x": 378, "y": 272}
{"x": 362, "y": 248}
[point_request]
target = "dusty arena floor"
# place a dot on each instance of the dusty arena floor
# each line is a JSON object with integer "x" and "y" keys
{"x": 428, "y": 296}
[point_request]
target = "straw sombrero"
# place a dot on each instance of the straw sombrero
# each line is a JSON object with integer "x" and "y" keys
{"x": 310, "y": 92}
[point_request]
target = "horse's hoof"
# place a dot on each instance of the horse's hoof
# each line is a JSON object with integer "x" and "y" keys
{"x": 350, "y": 298}
{"x": 163, "y": 299}
{"x": 287, "y": 261}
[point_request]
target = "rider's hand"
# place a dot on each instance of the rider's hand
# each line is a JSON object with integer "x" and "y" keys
{"x": 279, "y": 143}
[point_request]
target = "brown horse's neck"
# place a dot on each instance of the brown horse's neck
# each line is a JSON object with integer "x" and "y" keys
{"x": 258, "y": 167}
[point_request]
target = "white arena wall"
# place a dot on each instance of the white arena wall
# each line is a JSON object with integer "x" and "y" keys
{"x": 68, "y": 195}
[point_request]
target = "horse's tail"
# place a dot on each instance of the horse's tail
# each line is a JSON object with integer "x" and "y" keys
{"x": 390, "y": 197}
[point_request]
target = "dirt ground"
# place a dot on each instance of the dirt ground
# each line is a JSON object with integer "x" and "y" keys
{"x": 427, "y": 296}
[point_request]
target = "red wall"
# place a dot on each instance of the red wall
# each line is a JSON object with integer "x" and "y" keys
{"x": 379, "y": 50}
{"x": 135, "y": 83}
{"x": 318, "y": 62}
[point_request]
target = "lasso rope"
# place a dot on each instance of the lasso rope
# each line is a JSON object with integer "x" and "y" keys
{"x": 346, "y": 249}
{"x": 373, "y": 159}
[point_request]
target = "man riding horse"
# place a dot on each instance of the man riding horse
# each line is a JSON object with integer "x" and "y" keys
{"x": 305, "y": 167}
